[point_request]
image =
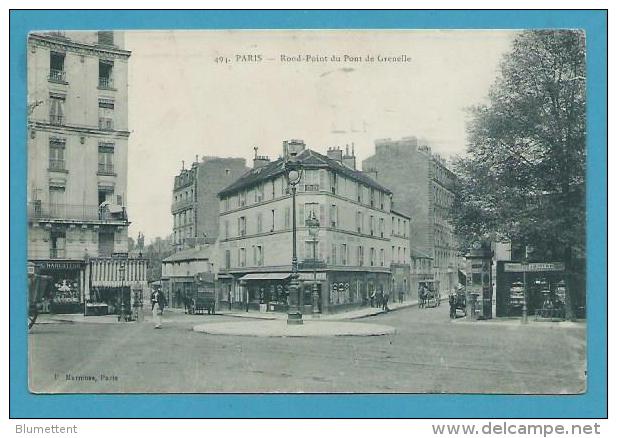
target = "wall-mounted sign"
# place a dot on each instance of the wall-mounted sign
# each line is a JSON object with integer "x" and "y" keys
{"x": 308, "y": 276}
{"x": 534, "y": 267}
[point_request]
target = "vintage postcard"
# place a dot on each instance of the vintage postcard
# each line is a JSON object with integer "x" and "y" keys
{"x": 307, "y": 211}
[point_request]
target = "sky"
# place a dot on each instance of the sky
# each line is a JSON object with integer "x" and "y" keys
{"x": 222, "y": 93}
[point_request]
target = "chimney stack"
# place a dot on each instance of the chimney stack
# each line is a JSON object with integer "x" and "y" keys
{"x": 335, "y": 153}
{"x": 293, "y": 147}
{"x": 260, "y": 161}
{"x": 350, "y": 160}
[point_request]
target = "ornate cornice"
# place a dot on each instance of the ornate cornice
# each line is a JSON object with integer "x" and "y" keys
{"x": 61, "y": 44}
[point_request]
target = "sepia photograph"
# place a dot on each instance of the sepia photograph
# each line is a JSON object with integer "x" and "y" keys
{"x": 307, "y": 211}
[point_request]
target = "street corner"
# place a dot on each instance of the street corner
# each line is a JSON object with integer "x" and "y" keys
{"x": 282, "y": 329}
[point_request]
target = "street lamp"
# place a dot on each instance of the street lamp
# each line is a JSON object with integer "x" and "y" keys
{"x": 313, "y": 226}
{"x": 525, "y": 265}
{"x": 122, "y": 314}
{"x": 293, "y": 172}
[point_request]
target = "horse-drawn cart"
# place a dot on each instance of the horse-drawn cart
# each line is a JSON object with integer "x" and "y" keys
{"x": 429, "y": 294}
{"x": 202, "y": 297}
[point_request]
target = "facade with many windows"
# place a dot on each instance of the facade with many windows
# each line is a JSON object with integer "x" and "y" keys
{"x": 195, "y": 203}
{"x": 425, "y": 191}
{"x": 349, "y": 259}
{"x": 77, "y": 162}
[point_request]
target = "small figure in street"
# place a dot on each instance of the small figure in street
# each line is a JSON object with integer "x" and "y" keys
{"x": 379, "y": 299}
{"x": 372, "y": 299}
{"x": 158, "y": 304}
{"x": 386, "y": 297}
{"x": 452, "y": 302}
{"x": 421, "y": 296}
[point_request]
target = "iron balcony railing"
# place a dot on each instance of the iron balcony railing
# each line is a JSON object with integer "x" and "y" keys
{"x": 106, "y": 123}
{"x": 57, "y": 164}
{"x": 106, "y": 169}
{"x": 45, "y": 210}
{"x": 56, "y": 120}
{"x": 57, "y": 253}
{"x": 181, "y": 205}
{"x": 57, "y": 75}
{"x": 106, "y": 83}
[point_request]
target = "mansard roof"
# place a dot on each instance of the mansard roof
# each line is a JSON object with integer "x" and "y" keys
{"x": 309, "y": 160}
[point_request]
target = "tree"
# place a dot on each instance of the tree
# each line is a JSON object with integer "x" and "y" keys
{"x": 523, "y": 177}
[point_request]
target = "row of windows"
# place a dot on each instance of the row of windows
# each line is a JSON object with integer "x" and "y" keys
{"x": 57, "y": 156}
{"x": 183, "y": 218}
{"x": 328, "y": 216}
{"x": 186, "y": 195}
{"x": 57, "y": 111}
{"x": 57, "y": 72}
{"x": 181, "y": 234}
{"x": 313, "y": 180}
{"x": 337, "y": 254}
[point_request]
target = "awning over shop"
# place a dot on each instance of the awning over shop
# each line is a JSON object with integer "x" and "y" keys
{"x": 266, "y": 276}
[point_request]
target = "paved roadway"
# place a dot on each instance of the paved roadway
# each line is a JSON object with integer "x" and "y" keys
{"x": 429, "y": 353}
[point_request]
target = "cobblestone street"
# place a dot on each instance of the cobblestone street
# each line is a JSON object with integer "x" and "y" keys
{"x": 428, "y": 353}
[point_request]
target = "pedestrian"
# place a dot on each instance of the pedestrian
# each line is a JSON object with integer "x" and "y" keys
{"x": 386, "y": 297}
{"x": 373, "y": 298}
{"x": 452, "y": 301}
{"x": 158, "y": 304}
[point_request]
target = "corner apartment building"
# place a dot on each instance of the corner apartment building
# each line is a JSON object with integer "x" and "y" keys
{"x": 77, "y": 166}
{"x": 195, "y": 204}
{"x": 424, "y": 191}
{"x": 351, "y": 256}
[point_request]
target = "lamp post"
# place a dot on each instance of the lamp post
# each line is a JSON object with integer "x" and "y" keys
{"x": 293, "y": 171}
{"x": 122, "y": 314}
{"x": 525, "y": 264}
{"x": 313, "y": 226}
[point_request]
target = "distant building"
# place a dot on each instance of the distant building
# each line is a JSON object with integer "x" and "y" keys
{"x": 195, "y": 204}
{"x": 424, "y": 190}
{"x": 179, "y": 271}
{"x": 355, "y": 249}
{"x": 77, "y": 167}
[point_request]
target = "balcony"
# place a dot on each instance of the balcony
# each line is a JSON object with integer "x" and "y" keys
{"x": 106, "y": 169}
{"x": 106, "y": 83}
{"x": 106, "y": 124}
{"x": 57, "y": 165}
{"x": 57, "y": 253}
{"x": 74, "y": 212}
{"x": 177, "y": 206}
{"x": 56, "y": 120}
{"x": 57, "y": 76}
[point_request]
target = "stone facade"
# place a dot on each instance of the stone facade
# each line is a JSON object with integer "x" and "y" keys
{"x": 425, "y": 192}
{"x": 195, "y": 205}
{"x": 353, "y": 252}
{"x": 77, "y": 161}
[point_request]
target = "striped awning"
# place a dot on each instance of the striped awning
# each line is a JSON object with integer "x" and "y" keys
{"x": 118, "y": 272}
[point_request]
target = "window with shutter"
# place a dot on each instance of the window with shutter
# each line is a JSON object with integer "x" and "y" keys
{"x": 56, "y": 110}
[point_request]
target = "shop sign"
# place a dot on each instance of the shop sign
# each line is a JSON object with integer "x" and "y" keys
{"x": 534, "y": 267}
{"x": 59, "y": 265}
{"x": 308, "y": 276}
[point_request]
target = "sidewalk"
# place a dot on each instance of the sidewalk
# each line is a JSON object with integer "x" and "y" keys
{"x": 517, "y": 322}
{"x": 352, "y": 314}
{"x": 78, "y": 318}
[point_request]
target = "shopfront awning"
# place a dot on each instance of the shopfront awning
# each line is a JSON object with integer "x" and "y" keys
{"x": 266, "y": 276}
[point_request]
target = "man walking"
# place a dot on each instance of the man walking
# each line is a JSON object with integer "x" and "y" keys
{"x": 158, "y": 304}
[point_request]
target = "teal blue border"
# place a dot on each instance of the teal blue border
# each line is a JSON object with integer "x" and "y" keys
{"x": 592, "y": 404}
